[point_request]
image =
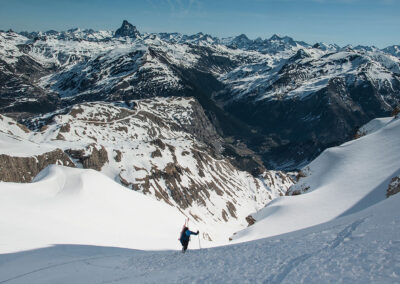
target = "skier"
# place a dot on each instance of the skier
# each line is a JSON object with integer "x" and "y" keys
{"x": 185, "y": 237}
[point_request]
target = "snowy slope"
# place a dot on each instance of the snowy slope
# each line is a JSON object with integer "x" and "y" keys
{"x": 76, "y": 206}
{"x": 341, "y": 181}
{"x": 14, "y": 140}
{"x": 164, "y": 148}
{"x": 360, "y": 248}
{"x": 374, "y": 125}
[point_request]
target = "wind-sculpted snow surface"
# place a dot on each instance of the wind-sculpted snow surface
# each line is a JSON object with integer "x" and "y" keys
{"x": 360, "y": 248}
{"x": 75, "y": 206}
{"x": 165, "y": 148}
{"x": 373, "y": 125}
{"x": 341, "y": 181}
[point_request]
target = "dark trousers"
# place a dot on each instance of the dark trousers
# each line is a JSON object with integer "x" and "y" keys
{"x": 184, "y": 244}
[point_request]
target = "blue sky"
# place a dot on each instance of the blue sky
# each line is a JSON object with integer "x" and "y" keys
{"x": 366, "y": 22}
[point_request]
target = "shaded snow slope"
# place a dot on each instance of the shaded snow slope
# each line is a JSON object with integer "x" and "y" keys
{"x": 76, "y": 206}
{"x": 360, "y": 248}
{"x": 374, "y": 125}
{"x": 341, "y": 181}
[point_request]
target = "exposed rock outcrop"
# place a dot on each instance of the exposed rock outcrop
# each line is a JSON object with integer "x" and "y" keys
{"x": 250, "y": 220}
{"x": 24, "y": 169}
{"x": 92, "y": 157}
{"x": 394, "y": 186}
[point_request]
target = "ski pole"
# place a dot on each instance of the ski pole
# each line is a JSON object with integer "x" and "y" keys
{"x": 199, "y": 242}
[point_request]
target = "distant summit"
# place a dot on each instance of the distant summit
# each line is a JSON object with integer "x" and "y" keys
{"x": 127, "y": 30}
{"x": 393, "y": 50}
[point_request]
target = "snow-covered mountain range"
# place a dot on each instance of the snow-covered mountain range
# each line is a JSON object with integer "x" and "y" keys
{"x": 315, "y": 96}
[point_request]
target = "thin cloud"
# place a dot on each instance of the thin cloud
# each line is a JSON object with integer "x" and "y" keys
{"x": 183, "y": 7}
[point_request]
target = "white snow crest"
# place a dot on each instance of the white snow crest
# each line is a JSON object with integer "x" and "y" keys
{"x": 341, "y": 181}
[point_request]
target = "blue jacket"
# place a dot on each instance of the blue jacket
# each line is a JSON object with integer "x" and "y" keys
{"x": 185, "y": 236}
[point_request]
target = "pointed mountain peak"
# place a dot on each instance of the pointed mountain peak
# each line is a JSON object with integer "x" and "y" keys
{"x": 300, "y": 54}
{"x": 286, "y": 39}
{"x": 348, "y": 47}
{"x": 240, "y": 40}
{"x": 275, "y": 37}
{"x": 127, "y": 30}
{"x": 326, "y": 46}
{"x": 242, "y": 37}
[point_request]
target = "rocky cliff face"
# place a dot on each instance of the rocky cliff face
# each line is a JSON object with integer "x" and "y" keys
{"x": 24, "y": 169}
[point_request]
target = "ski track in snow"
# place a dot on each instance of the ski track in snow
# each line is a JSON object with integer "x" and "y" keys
{"x": 292, "y": 264}
{"x": 85, "y": 260}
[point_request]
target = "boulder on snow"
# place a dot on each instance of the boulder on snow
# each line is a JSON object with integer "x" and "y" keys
{"x": 394, "y": 186}
{"x": 250, "y": 220}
